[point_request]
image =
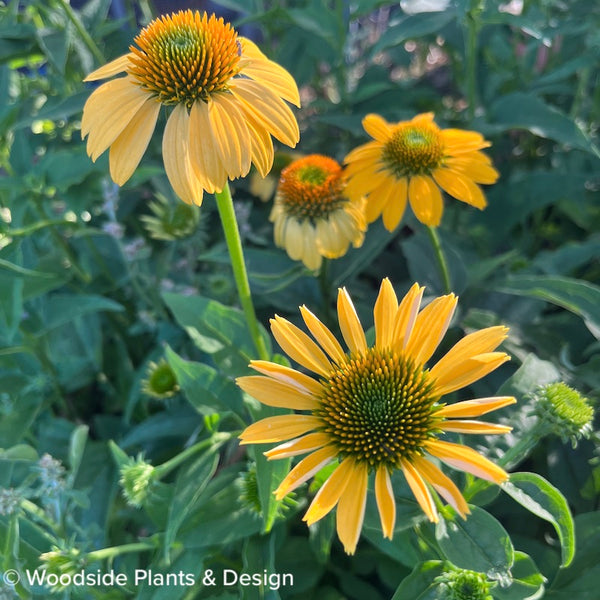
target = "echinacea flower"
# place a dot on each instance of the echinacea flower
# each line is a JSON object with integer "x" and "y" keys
{"x": 227, "y": 100}
{"x": 313, "y": 216}
{"x": 376, "y": 410}
{"x": 412, "y": 160}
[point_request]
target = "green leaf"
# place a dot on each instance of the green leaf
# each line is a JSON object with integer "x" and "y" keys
{"x": 525, "y": 111}
{"x": 76, "y": 448}
{"x": 189, "y": 486}
{"x": 478, "y": 543}
{"x": 527, "y": 581}
{"x": 580, "y": 580}
{"x": 216, "y": 329}
{"x": 579, "y": 297}
{"x": 542, "y": 499}
{"x": 63, "y": 309}
{"x": 529, "y": 376}
{"x": 413, "y": 27}
{"x": 205, "y": 388}
{"x": 421, "y": 584}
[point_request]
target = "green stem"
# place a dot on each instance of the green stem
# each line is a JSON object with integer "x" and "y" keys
{"x": 325, "y": 289}
{"x": 216, "y": 440}
{"x": 440, "y": 258}
{"x": 85, "y": 36}
{"x": 512, "y": 457}
{"x": 236, "y": 254}
{"x": 113, "y": 551}
{"x": 472, "y": 25}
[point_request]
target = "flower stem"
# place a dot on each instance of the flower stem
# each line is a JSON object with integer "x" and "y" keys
{"x": 512, "y": 457}
{"x": 472, "y": 26}
{"x": 440, "y": 258}
{"x": 113, "y": 551}
{"x": 325, "y": 289}
{"x": 236, "y": 254}
{"x": 216, "y": 440}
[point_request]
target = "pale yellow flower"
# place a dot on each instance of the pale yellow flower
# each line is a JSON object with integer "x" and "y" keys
{"x": 411, "y": 161}
{"x": 227, "y": 100}
{"x": 376, "y": 410}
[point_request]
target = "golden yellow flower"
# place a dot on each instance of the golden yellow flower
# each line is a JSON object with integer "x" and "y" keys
{"x": 377, "y": 409}
{"x": 312, "y": 215}
{"x": 227, "y": 99}
{"x": 412, "y": 160}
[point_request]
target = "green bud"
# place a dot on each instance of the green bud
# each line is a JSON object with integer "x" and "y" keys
{"x": 62, "y": 562}
{"x": 136, "y": 480}
{"x": 564, "y": 411}
{"x": 161, "y": 381}
{"x": 171, "y": 221}
{"x": 251, "y": 499}
{"x": 462, "y": 584}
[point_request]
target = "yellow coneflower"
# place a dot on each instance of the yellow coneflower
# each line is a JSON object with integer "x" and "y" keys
{"x": 377, "y": 409}
{"x": 227, "y": 100}
{"x": 313, "y": 216}
{"x": 412, "y": 160}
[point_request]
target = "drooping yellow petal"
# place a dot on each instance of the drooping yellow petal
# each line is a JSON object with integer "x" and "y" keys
{"x": 425, "y": 200}
{"x": 406, "y": 316}
{"x": 287, "y": 375}
{"x": 442, "y": 484}
{"x": 298, "y": 346}
{"x": 118, "y": 65}
{"x": 304, "y": 470}
{"x": 350, "y": 326}
{"x": 268, "y": 109}
{"x": 176, "y": 156}
{"x": 262, "y": 144}
{"x": 420, "y": 490}
{"x": 377, "y": 127}
{"x": 381, "y": 196}
{"x": 461, "y": 187}
{"x": 475, "y": 408}
{"x": 260, "y": 68}
{"x": 108, "y": 111}
{"x": 351, "y": 509}
{"x": 466, "y": 459}
{"x": 276, "y": 393}
{"x": 395, "y": 206}
{"x": 330, "y": 492}
{"x": 468, "y": 371}
{"x": 366, "y": 180}
{"x": 231, "y": 134}
{"x": 430, "y": 327}
{"x": 308, "y": 443}
{"x": 204, "y": 152}
{"x": 386, "y": 503}
{"x": 129, "y": 147}
{"x": 278, "y": 429}
{"x": 479, "y": 427}
{"x": 323, "y": 336}
{"x": 384, "y": 313}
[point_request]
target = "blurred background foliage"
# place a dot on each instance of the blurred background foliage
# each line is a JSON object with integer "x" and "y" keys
{"x": 117, "y": 306}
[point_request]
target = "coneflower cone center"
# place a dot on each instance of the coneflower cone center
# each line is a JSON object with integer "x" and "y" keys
{"x": 311, "y": 188}
{"x": 185, "y": 57}
{"x": 378, "y": 408}
{"x": 413, "y": 150}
